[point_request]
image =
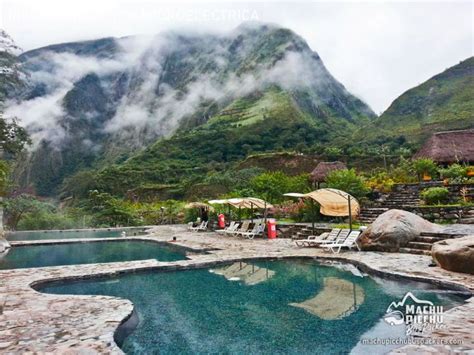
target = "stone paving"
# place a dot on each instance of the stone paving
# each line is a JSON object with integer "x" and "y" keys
{"x": 36, "y": 322}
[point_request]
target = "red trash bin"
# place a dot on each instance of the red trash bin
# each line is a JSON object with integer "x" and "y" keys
{"x": 271, "y": 229}
{"x": 221, "y": 220}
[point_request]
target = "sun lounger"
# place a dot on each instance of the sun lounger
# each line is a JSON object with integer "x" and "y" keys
{"x": 243, "y": 229}
{"x": 201, "y": 227}
{"x": 231, "y": 226}
{"x": 341, "y": 237}
{"x": 349, "y": 242}
{"x": 231, "y": 229}
{"x": 256, "y": 230}
{"x": 315, "y": 240}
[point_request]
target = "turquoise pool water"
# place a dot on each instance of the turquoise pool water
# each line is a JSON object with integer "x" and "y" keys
{"x": 70, "y": 234}
{"x": 273, "y": 307}
{"x": 87, "y": 253}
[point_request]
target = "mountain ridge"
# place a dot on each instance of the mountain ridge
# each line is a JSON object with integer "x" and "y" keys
{"x": 441, "y": 103}
{"x": 112, "y": 97}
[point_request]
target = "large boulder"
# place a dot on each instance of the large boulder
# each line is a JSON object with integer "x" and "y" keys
{"x": 393, "y": 230}
{"x": 456, "y": 254}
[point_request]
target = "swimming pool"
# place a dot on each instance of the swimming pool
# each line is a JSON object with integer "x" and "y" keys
{"x": 261, "y": 307}
{"x": 88, "y": 253}
{"x": 73, "y": 234}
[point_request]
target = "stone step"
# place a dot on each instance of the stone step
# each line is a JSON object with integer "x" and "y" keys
{"x": 420, "y": 245}
{"x": 440, "y": 235}
{"x": 415, "y": 251}
{"x": 373, "y": 215}
{"x": 428, "y": 239}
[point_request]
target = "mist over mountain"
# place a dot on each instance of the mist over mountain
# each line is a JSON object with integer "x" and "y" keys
{"x": 86, "y": 103}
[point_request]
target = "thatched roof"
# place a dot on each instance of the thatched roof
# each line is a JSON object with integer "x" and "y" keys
{"x": 449, "y": 147}
{"x": 322, "y": 170}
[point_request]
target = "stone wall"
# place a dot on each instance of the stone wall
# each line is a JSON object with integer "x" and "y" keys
{"x": 454, "y": 189}
{"x": 452, "y": 214}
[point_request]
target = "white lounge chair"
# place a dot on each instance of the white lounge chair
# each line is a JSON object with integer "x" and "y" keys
{"x": 201, "y": 227}
{"x": 349, "y": 242}
{"x": 315, "y": 240}
{"x": 256, "y": 230}
{"x": 243, "y": 229}
{"x": 341, "y": 237}
{"x": 230, "y": 231}
{"x": 231, "y": 226}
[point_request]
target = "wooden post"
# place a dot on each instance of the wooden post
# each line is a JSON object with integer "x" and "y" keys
{"x": 350, "y": 212}
{"x": 265, "y": 213}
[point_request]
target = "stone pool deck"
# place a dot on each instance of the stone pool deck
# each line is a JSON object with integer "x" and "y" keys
{"x": 36, "y": 322}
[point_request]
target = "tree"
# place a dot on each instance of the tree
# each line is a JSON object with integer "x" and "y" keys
{"x": 333, "y": 152}
{"x": 16, "y": 208}
{"x": 79, "y": 185}
{"x": 271, "y": 186}
{"x": 348, "y": 181}
{"x": 4, "y": 181}
{"x": 13, "y": 137}
{"x": 109, "y": 210}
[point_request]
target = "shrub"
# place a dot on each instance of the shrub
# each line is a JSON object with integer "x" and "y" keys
{"x": 46, "y": 220}
{"x": 425, "y": 166}
{"x": 404, "y": 172}
{"x": 380, "y": 181}
{"x": 348, "y": 181}
{"x": 435, "y": 195}
{"x": 455, "y": 172}
{"x": 300, "y": 211}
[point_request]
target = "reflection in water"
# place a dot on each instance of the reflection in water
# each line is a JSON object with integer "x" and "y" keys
{"x": 338, "y": 299}
{"x": 248, "y": 273}
{"x": 199, "y": 312}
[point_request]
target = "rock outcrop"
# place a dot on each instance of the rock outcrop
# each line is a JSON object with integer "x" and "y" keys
{"x": 456, "y": 254}
{"x": 393, "y": 230}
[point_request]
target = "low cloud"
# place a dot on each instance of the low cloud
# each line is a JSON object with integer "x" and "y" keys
{"x": 150, "y": 106}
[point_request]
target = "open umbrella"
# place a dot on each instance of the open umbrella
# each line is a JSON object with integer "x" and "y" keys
{"x": 245, "y": 202}
{"x": 333, "y": 202}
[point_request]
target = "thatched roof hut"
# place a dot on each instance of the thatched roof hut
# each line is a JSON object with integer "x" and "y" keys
{"x": 449, "y": 147}
{"x": 322, "y": 170}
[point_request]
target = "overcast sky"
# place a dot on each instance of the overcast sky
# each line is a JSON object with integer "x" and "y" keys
{"x": 377, "y": 49}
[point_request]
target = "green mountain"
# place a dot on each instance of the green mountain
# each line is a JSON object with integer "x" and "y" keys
{"x": 159, "y": 110}
{"x": 10, "y": 73}
{"x": 444, "y": 102}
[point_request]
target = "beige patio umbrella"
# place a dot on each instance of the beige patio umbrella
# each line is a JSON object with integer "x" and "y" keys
{"x": 221, "y": 202}
{"x": 333, "y": 202}
{"x": 245, "y": 202}
{"x": 338, "y": 299}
